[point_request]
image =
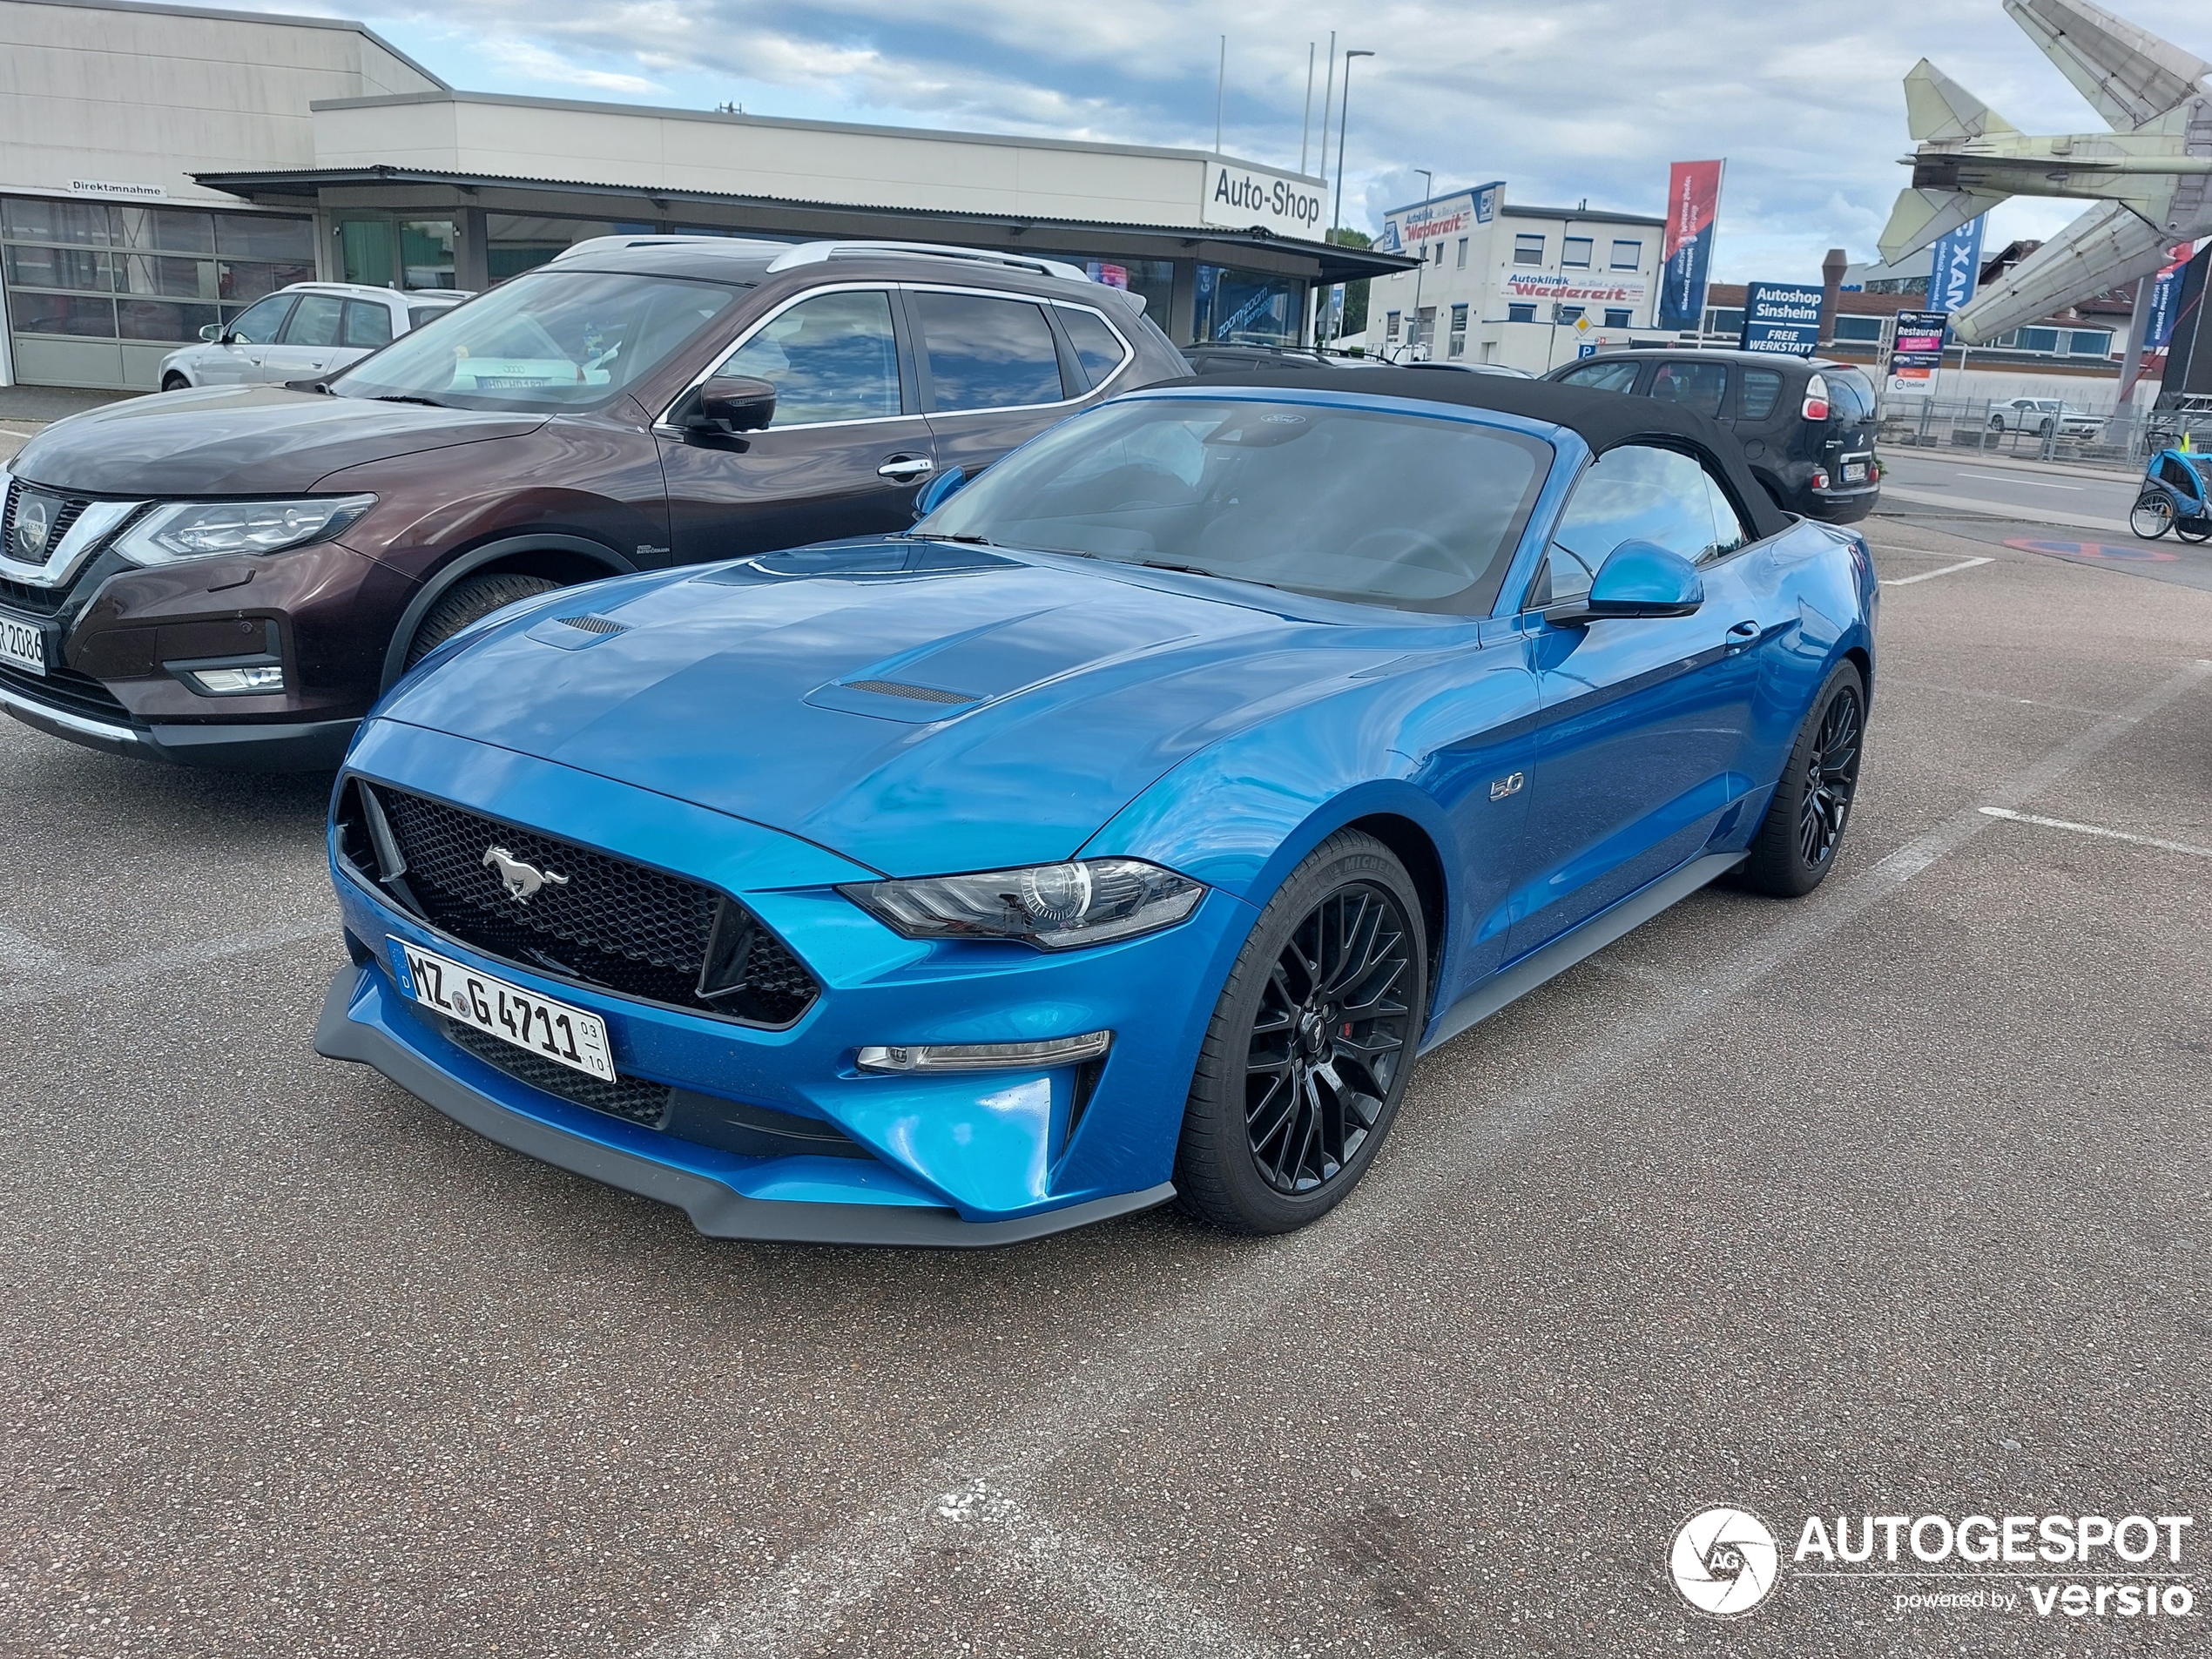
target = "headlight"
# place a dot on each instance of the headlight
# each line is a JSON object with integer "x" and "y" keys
{"x": 1054, "y": 906}
{"x": 194, "y": 530}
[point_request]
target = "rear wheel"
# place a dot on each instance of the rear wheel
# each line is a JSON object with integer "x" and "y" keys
{"x": 1797, "y": 843}
{"x": 2198, "y": 530}
{"x": 470, "y": 600}
{"x": 2153, "y": 516}
{"x": 1996, "y": 423}
{"x": 1311, "y": 1045}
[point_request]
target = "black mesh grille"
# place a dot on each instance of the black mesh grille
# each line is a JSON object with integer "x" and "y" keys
{"x": 40, "y": 601}
{"x": 916, "y": 693}
{"x": 596, "y": 918}
{"x": 632, "y": 1098}
{"x": 66, "y": 690}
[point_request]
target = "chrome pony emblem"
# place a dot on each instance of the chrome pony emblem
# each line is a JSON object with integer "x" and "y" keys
{"x": 522, "y": 880}
{"x": 34, "y": 522}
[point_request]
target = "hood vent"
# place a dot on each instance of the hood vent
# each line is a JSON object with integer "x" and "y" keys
{"x": 919, "y": 694}
{"x": 591, "y": 624}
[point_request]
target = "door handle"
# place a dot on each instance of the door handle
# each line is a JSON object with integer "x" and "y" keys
{"x": 1744, "y": 631}
{"x": 906, "y": 470}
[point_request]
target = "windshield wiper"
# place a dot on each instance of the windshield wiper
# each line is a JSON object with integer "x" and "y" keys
{"x": 404, "y": 397}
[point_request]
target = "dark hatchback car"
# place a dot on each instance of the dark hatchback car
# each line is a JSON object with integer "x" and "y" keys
{"x": 233, "y": 575}
{"x": 1807, "y": 424}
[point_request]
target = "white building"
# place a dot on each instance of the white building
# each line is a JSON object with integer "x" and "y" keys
{"x": 163, "y": 167}
{"x": 1530, "y": 288}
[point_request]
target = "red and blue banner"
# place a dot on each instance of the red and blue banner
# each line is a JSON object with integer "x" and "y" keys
{"x": 1693, "y": 209}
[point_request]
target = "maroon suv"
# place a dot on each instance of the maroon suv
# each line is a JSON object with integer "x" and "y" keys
{"x": 231, "y": 576}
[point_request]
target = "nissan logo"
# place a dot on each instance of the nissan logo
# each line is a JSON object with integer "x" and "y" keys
{"x": 34, "y": 522}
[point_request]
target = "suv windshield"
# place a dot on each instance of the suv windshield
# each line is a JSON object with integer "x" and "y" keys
{"x": 1418, "y": 512}
{"x": 551, "y": 340}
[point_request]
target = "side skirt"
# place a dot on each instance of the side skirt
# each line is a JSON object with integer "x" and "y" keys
{"x": 1511, "y": 984}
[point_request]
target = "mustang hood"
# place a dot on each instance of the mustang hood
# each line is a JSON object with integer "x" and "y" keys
{"x": 900, "y": 703}
{"x": 241, "y": 441}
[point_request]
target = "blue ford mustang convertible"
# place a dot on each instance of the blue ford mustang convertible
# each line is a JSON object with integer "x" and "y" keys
{"x": 1122, "y": 833}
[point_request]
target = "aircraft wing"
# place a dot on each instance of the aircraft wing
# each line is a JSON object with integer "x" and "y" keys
{"x": 2130, "y": 77}
{"x": 2106, "y": 247}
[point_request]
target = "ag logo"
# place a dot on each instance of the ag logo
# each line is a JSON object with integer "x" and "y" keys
{"x": 1725, "y": 1561}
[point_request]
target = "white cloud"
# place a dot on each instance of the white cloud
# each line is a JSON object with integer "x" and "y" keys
{"x": 1574, "y": 99}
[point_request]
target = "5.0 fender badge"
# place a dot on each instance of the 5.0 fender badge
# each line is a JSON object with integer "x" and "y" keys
{"x": 1502, "y": 788}
{"x": 522, "y": 880}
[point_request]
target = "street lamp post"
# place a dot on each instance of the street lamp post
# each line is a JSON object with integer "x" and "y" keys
{"x": 1336, "y": 214}
{"x": 1414, "y": 340}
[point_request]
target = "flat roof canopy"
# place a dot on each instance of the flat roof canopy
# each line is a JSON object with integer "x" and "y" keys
{"x": 380, "y": 186}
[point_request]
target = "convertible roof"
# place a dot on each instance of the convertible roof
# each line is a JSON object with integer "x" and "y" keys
{"x": 1604, "y": 420}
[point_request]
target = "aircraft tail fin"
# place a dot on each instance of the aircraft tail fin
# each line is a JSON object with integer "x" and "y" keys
{"x": 1937, "y": 107}
{"x": 1921, "y": 216}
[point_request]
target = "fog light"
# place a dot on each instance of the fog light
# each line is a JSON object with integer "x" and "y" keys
{"x": 228, "y": 681}
{"x": 987, "y": 1056}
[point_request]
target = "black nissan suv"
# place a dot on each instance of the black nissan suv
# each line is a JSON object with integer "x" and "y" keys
{"x": 1807, "y": 424}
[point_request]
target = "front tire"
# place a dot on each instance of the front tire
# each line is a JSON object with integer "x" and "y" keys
{"x": 1798, "y": 841}
{"x": 2153, "y": 516}
{"x": 1311, "y": 1045}
{"x": 173, "y": 381}
{"x": 468, "y": 601}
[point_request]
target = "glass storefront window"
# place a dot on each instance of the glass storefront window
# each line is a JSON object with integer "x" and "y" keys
{"x": 66, "y": 263}
{"x": 1154, "y": 279}
{"x": 426, "y": 253}
{"x": 514, "y": 243}
{"x": 1244, "y": 307}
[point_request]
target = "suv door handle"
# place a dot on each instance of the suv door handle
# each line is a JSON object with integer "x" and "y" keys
{"x": 905, "y": 469}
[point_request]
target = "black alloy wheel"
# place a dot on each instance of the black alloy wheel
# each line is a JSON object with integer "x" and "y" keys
{"x": 1311, "y": 1043}
{"x": 2152, "y": 514}
{"x": 1329, "y": 1039}
{"x": 1796, "y": 845}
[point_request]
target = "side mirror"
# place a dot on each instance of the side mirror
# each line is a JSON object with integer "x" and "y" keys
{"x": 733, "y": 403}
{"x": 212, "y": 333}
{"x": 1640, "y": 579}
{"x": 938, "y": 490}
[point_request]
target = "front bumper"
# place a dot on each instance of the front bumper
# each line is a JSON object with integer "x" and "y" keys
{"x": 354, "y": 1026}
{"x": 313, "y": 745}
{"x": 949, "y": 1159}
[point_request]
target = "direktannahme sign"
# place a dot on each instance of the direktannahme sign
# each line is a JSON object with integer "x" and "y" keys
{"x": 1237, "y": 198}
{"x": 1538, "y": 285}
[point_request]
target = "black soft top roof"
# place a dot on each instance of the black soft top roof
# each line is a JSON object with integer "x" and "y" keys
{"x": 1604, "y": 420}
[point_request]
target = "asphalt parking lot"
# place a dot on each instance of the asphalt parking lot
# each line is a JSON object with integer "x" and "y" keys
{"x": 1892, "y": 1200}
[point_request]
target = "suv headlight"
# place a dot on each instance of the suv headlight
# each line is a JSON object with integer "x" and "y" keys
{"x": 196, "y": 530}
{"x": 1054, "y": 906}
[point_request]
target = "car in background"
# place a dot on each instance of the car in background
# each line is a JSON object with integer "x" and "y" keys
{"x": 1464, "y": 368}
{"x": 232, "y": 575}
{"x": 1806, "y": 424}
{"x": 300, "y": 332}
{"x": 1214, "y": 359}
{"x": 1121, "y": 832}
{"x": 2041, "y": 416}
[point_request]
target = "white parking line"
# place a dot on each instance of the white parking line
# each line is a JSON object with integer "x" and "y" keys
{"x": 2009, "y": 512}
{"x": 2014, "y": 477}
{"x": 791, "y": 1608}
{"x": 2094, "y": 829}
{"x": 1929, "y": 575}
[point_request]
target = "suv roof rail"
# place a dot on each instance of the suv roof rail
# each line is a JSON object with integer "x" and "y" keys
{"x": 813, "y": 253}
{"x": 737, "y": 245}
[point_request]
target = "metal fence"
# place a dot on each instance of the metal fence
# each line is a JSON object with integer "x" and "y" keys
{"x": 2119, "y": 438}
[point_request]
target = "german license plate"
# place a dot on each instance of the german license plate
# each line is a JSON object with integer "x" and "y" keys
{"x": 22, "y": 643}
{"x": 551, "y": 1030}
{"x": 1854, "y": 472}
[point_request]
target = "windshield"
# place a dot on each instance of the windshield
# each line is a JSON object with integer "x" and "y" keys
{"x": 1415, "y": 511}
{"x": 551, "y": 340}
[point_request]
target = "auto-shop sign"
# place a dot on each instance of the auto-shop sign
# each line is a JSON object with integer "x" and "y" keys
{"x": 1237, "y": 198}
{"x": 1575, "y": 290}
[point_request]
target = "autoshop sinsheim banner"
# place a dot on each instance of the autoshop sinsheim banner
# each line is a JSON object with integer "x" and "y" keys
{"x": 1782, "y": 318}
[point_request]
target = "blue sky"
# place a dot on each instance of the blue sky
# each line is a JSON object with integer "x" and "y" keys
{"x": 1567, "y": 100}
